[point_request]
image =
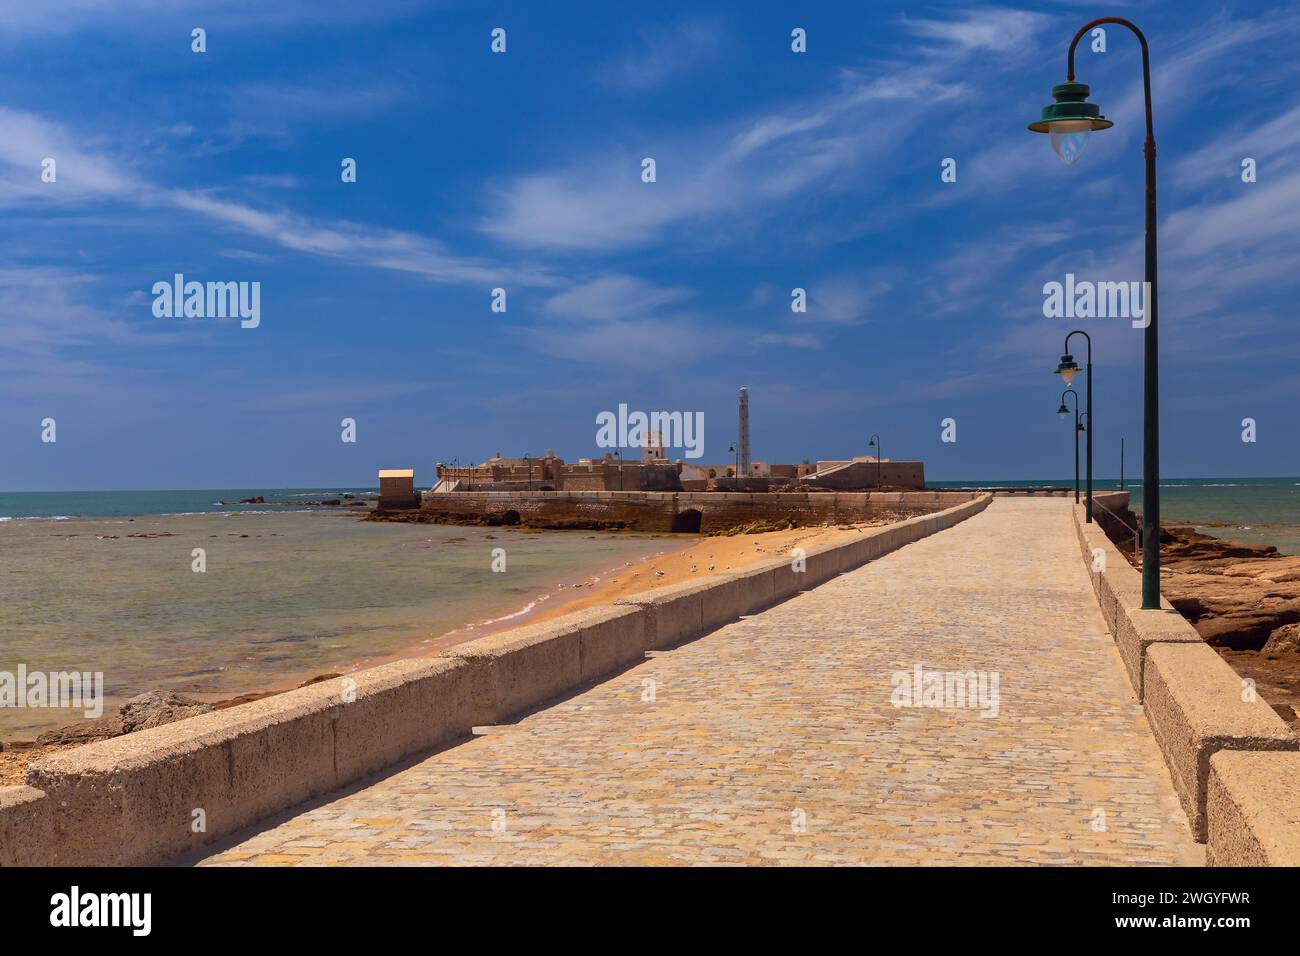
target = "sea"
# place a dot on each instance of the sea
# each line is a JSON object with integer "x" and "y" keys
{"x": 110, "y": 583}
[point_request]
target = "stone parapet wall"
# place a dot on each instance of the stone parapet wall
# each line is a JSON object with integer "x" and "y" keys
{"x": 1204, "y": 717}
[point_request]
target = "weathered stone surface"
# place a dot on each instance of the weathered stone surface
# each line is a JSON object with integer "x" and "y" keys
{"x": 84, "y": 731}
{"x": 154, "y": 709}
{"x": 1197, "y": 706}
{"x": 1253, "y": 811}
{"x": 25, "y": 826}
{"x": 1283, "y": 642}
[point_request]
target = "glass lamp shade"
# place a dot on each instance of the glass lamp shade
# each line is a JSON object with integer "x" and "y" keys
{"x": 1067, "y": 369}
{"x": 1070, "y": 119}
{"x": 1069, "y": 137}
{"x": 1062, "y": 411}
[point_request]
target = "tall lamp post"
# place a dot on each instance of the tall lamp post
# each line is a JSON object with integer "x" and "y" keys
{"x": 1069, "y": 121}
{"x": 618, "y": 453}
{"x": 736, "y": 470}
{"x": 1063, "y": 411}
{"x": 529, "y": 462}
{"x": 875, "y": 443}
{"x": 1067, "y": 369}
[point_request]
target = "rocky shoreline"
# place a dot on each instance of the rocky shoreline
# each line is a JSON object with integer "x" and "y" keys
{"x": 344, "y": 501}
{"x": 419, "y": 516}
{"x": 1243, "y": 599}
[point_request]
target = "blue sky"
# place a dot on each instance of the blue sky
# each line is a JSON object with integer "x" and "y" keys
{"x": 522, "y": 170}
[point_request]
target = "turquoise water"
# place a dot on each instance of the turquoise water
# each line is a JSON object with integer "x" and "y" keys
{"x": 284, "y": 594}
{"x": 1256, "y": 510}
{"x": 122, "y": 504}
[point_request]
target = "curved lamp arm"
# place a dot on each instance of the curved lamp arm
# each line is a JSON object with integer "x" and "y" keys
{"x": 1146, "y": 66}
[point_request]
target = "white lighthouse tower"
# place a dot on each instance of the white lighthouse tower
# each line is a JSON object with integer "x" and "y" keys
{"x": 744, "y": 431}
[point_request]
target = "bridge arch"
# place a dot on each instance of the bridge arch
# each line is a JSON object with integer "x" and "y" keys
{"x": 688, "y": 521}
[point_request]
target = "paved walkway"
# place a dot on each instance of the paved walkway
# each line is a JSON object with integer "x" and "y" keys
{"x": 774, "y": 740}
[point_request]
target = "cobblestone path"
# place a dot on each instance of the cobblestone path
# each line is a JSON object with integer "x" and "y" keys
{"x": 775, "y": 740}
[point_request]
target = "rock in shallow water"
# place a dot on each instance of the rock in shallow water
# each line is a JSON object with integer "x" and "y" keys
{"x": 153, "y": 709}
{"x": 84, "y": 732}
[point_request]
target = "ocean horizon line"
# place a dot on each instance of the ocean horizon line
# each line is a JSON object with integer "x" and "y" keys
{"x": 1068, "y": 480}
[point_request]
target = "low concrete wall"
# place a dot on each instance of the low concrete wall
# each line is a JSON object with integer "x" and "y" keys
{"x": 155, "y": 794}
{"x": 1253, "y": 810}
{"x": 1118, "y": 586}
{"x": 138, "y": 799}
{"x": 1196, "y": 704}
{"x": 26, "y": 826}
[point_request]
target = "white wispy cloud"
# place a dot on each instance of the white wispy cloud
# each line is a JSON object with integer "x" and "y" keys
{"x": 83, "y": 175}
{"x": 843, "y": 299}
{"x": 988, "y": 29}
{"x": 613, "y": 297}
{"x": 730, "y": 173}
{"x": 27, "y": 140}
{"x": 357, "y": 243}
{"x": 647, "y": 344}
{"x": 663, "y": 53}
{"x": 1270, "y": 141}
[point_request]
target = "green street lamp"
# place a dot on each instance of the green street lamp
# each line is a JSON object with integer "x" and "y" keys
{"x": 1063, "y": 411}
{"x": 875, "y": 443}
{"x": 529, "y": 462}
{"x": 1072, "y": 116}
{"x": 618, "y": 453}
{"x": 736, "y": 470}
{"x": 1068, "y": 369}
{"x": 1070, "y": 119}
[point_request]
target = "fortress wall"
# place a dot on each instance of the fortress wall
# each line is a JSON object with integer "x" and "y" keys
{"x": 655, "y": 511}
